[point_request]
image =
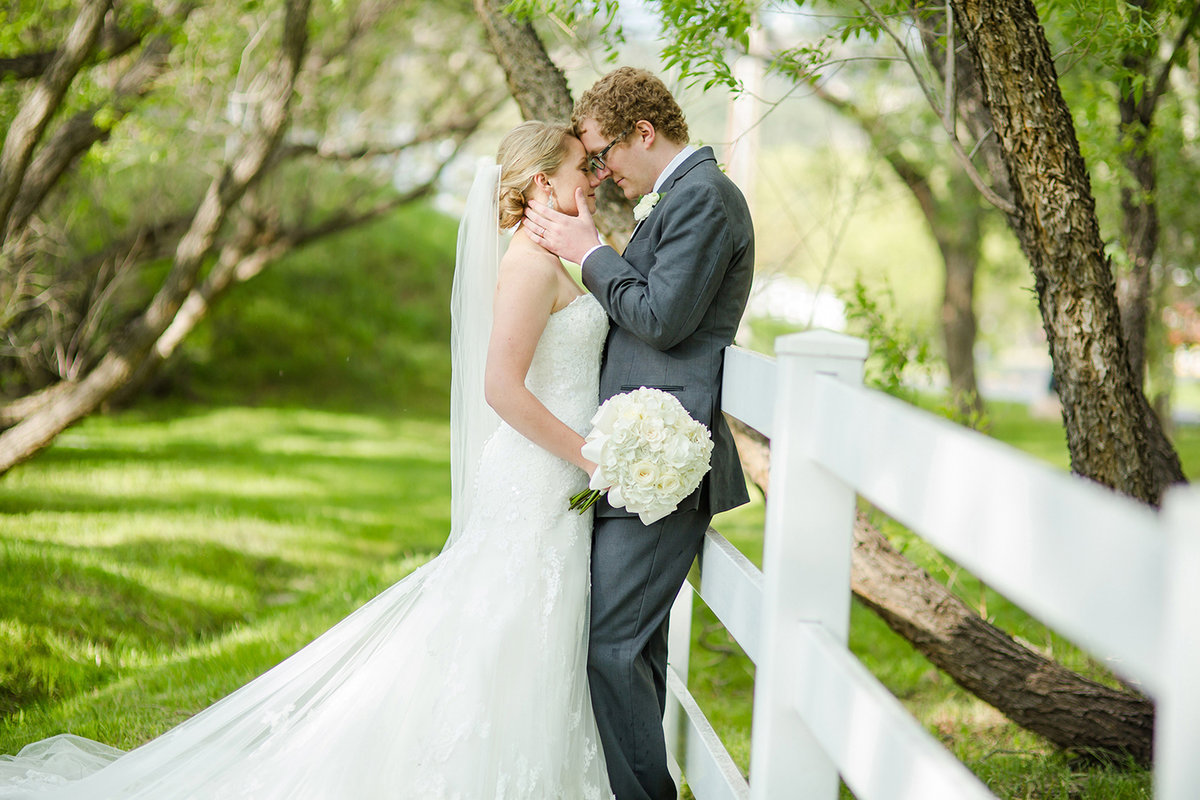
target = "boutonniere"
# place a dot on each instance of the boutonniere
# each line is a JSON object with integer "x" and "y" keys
{"x": 642, "y": 209}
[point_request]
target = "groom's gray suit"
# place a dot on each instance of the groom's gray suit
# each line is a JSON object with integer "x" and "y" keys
{"x": 676, "y": 296}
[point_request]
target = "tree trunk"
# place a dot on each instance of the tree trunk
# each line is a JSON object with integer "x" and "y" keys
{"x": 67, "y": 406}
{"x": 954, "y": 220}
{"x": 1113, "y": 435}
{"x": 961, "y": 256}
{"x": 534, "y": 81}
{"x": 1139, "y": 211}
{"x": 1139, "y": 229}
{"x": 1137, "y": 104}
{"x": 541, "y": 92}
{"x": 1037, "y": 693}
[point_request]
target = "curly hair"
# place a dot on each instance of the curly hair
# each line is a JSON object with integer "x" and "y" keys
{"x": 626, "y": 95}
{"x": 526, "y": 150}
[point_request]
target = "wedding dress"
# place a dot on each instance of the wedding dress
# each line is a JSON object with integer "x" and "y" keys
{"x": 465, "y": 680}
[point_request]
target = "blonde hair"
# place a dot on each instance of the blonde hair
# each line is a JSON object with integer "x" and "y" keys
{"x": 526, "y": 150}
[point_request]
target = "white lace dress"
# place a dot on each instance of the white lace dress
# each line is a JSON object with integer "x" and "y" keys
{"x": 464, "y": 681}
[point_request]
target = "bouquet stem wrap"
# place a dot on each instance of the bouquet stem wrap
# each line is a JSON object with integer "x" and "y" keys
{"x": 650, "y": 454}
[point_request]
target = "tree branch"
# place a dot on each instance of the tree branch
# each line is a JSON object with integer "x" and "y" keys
{"x": 31, "y": 121}
{"x": 1150, "y": 99}
{"x": 114, "y": 41}
{"x": 944, "y": 114}
{"x": 75, "y": 136}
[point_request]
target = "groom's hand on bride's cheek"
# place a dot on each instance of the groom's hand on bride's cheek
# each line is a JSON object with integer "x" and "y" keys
{"x": 566, "y": 236}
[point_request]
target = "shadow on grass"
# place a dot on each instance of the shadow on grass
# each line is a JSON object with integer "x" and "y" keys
{"x": 142, "y": 537}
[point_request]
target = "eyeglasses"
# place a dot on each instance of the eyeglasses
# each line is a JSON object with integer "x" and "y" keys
{"x": 596, "y": 162}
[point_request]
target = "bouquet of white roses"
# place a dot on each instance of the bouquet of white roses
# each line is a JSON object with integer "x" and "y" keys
{"x": 650, "y": 454}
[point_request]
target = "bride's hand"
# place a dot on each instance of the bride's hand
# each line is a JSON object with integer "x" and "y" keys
{"x": 566, "y": 236}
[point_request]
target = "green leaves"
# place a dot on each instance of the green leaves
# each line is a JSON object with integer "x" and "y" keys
{"x": 701, "y": 34}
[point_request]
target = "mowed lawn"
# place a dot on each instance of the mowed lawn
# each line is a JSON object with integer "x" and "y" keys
{"x": 153, "y": 561}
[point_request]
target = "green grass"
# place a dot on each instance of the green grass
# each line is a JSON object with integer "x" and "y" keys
{"x": 152, "y": 563}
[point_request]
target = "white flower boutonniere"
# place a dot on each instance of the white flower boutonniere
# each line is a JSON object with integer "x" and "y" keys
{"x": 642, "y": 209}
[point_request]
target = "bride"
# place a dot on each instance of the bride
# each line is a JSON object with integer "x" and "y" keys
{"x": 467, "y": 679}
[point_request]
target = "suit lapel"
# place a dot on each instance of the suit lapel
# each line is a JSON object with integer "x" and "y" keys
{"x": 701, "y": 155}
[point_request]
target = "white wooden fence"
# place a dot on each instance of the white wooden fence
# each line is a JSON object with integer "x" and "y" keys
{"x": 1112, "y": 575}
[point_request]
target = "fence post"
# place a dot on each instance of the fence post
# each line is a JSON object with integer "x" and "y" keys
{"x": 806, "y": 566}
{"x": 1177, "y": 724}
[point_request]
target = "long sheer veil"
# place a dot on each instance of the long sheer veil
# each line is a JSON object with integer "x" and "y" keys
{"x": 477, "y": 261}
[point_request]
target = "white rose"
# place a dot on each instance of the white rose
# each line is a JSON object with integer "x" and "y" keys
{"x": 644, "y": 473}
{"x": 642, "y": 209}
{"x": 668, "y": 485}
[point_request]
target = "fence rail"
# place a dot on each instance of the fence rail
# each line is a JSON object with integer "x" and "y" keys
{"x": 1112, "y": 575}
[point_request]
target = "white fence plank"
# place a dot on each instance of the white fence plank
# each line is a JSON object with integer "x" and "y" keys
{"x": 732, "y": 587}
{"x": 1068, "y": 551}
{"x": 711, "y": 772}
{"x": 679, "y": 651}
{"x": 748, "y": 388}
{"x": 881, "y": 751}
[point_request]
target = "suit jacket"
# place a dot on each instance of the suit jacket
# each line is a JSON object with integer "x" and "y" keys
{"x": 676, "y": 296}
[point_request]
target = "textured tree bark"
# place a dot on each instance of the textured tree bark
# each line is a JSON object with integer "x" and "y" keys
{"x": 1113, "y": 435}
{"x": 1072, "y": 712}
{"x": 534, "y": 80}
{"x": 70, "y": 404}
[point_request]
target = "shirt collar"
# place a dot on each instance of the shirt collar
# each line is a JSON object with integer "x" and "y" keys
{"x": 673, "y": 165}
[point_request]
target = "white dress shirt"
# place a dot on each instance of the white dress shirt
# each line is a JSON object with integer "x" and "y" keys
{"x": 667, "y": 172}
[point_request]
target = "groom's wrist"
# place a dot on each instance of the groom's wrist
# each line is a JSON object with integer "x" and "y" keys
{"x": 591, "y": 250}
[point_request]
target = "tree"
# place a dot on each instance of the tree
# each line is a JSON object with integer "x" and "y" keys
{"x": 1069, "y": 710}
{"x": 127, "y": 211}
{"x": 1113, "y": 435}
{"x": 955, "y": 219}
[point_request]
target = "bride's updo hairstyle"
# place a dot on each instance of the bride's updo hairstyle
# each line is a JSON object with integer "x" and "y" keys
{"x": 526, "y": 150}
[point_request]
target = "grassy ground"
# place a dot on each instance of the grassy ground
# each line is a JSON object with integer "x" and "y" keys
{"x": 154, "y": 561}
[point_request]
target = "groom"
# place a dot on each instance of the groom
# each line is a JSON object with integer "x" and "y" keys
{"x": 675, "y": 297}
